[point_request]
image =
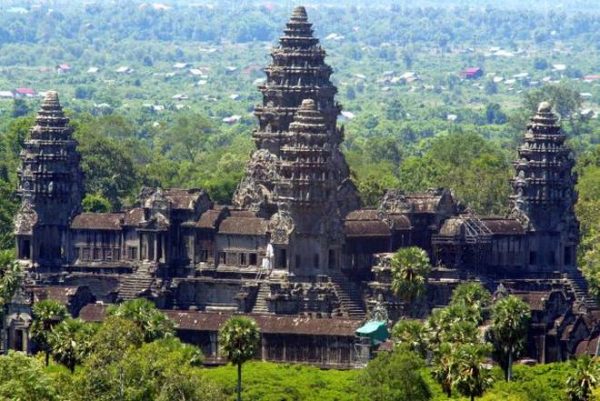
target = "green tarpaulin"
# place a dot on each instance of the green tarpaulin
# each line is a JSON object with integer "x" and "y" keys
{"x": 376, "y": 331}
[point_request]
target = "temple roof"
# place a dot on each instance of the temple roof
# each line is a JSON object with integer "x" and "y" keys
{"x": 366, "y": 228}
{"x": 503, "y": 226}
{"x": 98, "y": 221}
{"x": 183, "y": 198}
{"x": 243, "y": 226}
{"x": 61, "y": 294}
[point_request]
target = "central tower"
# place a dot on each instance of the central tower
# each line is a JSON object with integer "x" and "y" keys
{"x": 297, "y": 72}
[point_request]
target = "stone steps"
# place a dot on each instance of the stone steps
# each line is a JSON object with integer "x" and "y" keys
{"x": 580, "y": 289}
{"x": 134, "y": 284}
{"x": 261, "y": 305}
{"x": 349, "y": 296}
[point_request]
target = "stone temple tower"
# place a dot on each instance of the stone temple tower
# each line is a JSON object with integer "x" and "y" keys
{"x": 50, "y": 187}
{"x": 544, "y": 194}
{"x": 297, "y": 72}
{"x": 308, "y": 225}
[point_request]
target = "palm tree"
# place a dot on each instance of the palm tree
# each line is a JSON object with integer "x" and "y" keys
{"x": 410, "y": 269}
{"x": 473, "y": 296}
{"x": 444, "y": 367}
{"x": 473, "y": 377}
{"x": 11, "y": 275}
{"x": 240, "y": 339}
{"x": 146, "y": 316}
{"x": 510, "y": 323}
{"x": 71, "y": 342}
{"x": 411, "y": 333}
{"x": 584, "y": 379}
{"x": 46, "y": 315}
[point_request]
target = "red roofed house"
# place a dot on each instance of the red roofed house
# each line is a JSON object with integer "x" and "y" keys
{"x": 25, "y": 92}
{"x": 472, "y": 73}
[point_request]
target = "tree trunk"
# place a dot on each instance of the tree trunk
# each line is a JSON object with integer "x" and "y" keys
{"x": 509, "y": 369}
{"x": 239, "y": 383}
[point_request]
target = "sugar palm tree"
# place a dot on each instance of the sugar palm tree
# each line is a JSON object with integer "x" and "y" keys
{"x": 510, "y": 323}
{"x": 240, "y": 339}
{"x": 71, "y": 342}
{"x": 46, "y": 314}
{"x": 146, "y": 316}
{"x": 444, "y": 367}
{"x": 11, "y": 275}
{"x": 473, "y": 377}
{"x": 584, "y": 379}
{"x": 410, "y": 269}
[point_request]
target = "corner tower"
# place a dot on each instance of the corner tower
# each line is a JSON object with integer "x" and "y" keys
{"x": 50, "y": 187}
{"x": 297, "y": 72}
{"x": 544, "y": 194}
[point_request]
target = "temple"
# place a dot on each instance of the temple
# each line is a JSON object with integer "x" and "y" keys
{"x": 295, "y": 250}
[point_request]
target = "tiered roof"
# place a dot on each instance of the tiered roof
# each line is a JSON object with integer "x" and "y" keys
{"x": 50, "y": 171}
{"x": 544, "y": 185}
{"x": 305, "y": 173}
{"x": 297, "y": 72}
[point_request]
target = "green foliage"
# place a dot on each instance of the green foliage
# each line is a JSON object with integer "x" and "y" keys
{"x": 565, "y": 99}
{"x": 410, "y": 269}
{"x": 508, "y": 333}
{"x": 71, "y": 342}
{"x": 153, "y": 323}
{"x": 394, "y": 376}
{"x": 23, "y": 378}
{"x": 162, "y": 370}
{"x": 96, "y": 204}
{"x": 266, "y": 381}
{"x": 584, "y": 379}
{"x": 411, "y": 334}
{"x": 239, "y": 338}
{"x": 474, "y": 297}
{"x": 46, "y": 315}
{"x": 473, "y": 377}
{"x": 11, "y": 275}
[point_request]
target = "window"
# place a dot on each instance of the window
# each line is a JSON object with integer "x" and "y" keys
{"x": 243, "y": 259}
{"x": 253, "y": 259}
{"x": 532, "y": 258}
{"x": 281, "y": 261}
{"x": 203, "y": 255}
{"x": 96, "y": 253}
{"x": 116, "y": 254}
{"x": 222, "y": 258}
{"x": 108, "y": 255}
{"x": 332, "y": 261}
{"x": 232, "y": 258}
{"x": 551, "y": 258}
{"x": 132, "y": 252}
{"x": 85, "y": 254}
{"x": 567, "y": 255}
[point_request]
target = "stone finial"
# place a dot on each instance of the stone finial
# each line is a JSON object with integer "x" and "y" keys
{"x": 299, "y": 13}
{"x": 308, "y": 104}
{"x": 544, "y": 107}
{"x": 51, "y": 101}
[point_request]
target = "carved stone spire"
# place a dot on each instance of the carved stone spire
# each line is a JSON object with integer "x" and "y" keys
{"x": 544, "y": 193}
{"x": 306, "y": 178}
{"x": 297, "y": 72}
{"x": 50, "y": 180}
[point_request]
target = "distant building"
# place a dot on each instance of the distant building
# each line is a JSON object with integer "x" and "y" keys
{"x": 25, "y": 92}
{"x": 472, "y": 73}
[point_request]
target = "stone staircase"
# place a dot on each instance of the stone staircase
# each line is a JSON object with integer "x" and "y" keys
{"x": 580, "y": 288}
{"x": 350, "y": 298}
{"x": 261, "y": 305}
{"x": 136, "y": 282}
